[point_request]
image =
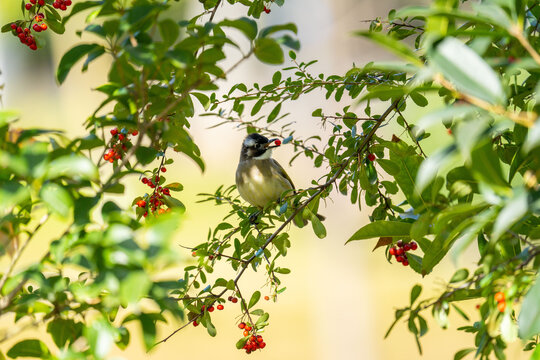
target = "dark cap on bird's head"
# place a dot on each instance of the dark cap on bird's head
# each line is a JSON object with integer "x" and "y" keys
{"x": 256, "y": 146}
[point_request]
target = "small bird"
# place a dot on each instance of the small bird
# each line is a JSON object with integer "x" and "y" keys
{"x": 259, "y": 178}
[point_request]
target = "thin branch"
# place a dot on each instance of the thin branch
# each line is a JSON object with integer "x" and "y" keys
{"x": 19, "y": 252}
{"x": 214, "y": 11}
{"x": 518, "y": 34}
{"x": 301, "y": 207}
{"x": 525, "y": 118}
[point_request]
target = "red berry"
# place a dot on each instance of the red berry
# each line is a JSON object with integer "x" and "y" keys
{"x": 392, "y": 251}
{"x": 248, "y": 327}
{"x": 220, "y": 307}
{"x": 33, "y": 2}
{"x": 28, "y": 6}
{"x": 33, "y": 47}
{"x": 141, "y": 203}
{"x": 114, "y": 132}
{"x": 246, "y": 333}
{"x": 13, "y": 26}
{"x": 56, "y": 5}
{"x": 501, "y": 306}
{"x": 234, "y": 300}
{"x": 406, "y": 247}
{"x": 134, "y": 133}
{"x": 242, "y": 325}
{"x": 399, "y": 258}
{"x": 399, "y": 251}
{"x": 43, "y": 26}
{"x": 68, "y": 2}
{"x": 63, "y": 7}
{"x": 194, "y": 254}
{"x": 266, "y": 10}
{"x": 229, "y": 298}
{"x": 19, "y": 29}
{"x": 36, "y": 28}
{"x": 405, "y": 262}
{"x": 41, "y": 2}
{"x": 499, "y": 296}
{"x": 277, "y": 142}
{"x": 262, "y": 345}
{"x": 121, "y": 137}
{"x": 478, "y": 306}
{"x": 414, "y": 245}
{"x": 400, "y": 243}
{"x": 195, "y": 323}
{"x": 267, "y": 298}
{"x": 163, "y": 169}
{"x": 371, "y": 157}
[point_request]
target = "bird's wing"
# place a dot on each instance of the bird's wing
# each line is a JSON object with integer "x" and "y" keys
{"x": 282, "y": 172}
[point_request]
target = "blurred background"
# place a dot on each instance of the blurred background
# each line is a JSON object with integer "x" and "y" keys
{"x": 340, "y": 299}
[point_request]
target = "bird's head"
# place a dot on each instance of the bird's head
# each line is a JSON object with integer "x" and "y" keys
{"x": 256, "y": 146}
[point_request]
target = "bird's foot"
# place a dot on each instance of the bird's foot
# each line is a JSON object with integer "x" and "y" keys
{"x": 253, "y": 218}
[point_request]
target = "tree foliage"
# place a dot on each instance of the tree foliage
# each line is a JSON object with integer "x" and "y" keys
{"x": 481, "y": 63}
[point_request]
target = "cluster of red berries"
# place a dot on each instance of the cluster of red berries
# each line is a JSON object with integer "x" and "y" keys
{"x": 400, "y": 251}
{"x": 61, "y": 4}
{"x": 500, "y": 298}
{"x": 119, "y": 144}
{"x": 25, "y": 36}
{"x": 156, "y": 199}
{"x": 266, "y": 10}
{"x": 254, "y": 342}
{"x": 233, "y": 299}
{"x": 31, "y": 4}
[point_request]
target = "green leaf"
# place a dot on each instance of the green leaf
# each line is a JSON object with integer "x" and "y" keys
{"x": 244, "y": 24}
{"x": 415, "y": 293}
{"x": 72, "y": 166}
{"x": 57, "y": 199}
{"x": 211, "y": 329}
{"x": 515, "y": 209}
{"x": 394, "y": 45}
{"x": 81, "y": 6}
{"x": 203, "y": 99}
{"x": 145, "y": 155}
{"x": 529, "y": 316}
{"x": 169, "y": 31}
{"x": 318, "y": 227}
{"x": 55, "y": 25}
{"x": 431, "y": 166}
{"x": 268, "y": 51}
{"x": 29, "y": 348}
{"x": 382, "y": 228}
{"x": 254, "y": 299}
{"x": 467, "y": 70}
{"x": 71, "y": 57}
{"x": 445, "y": 115}
{"x": 462, "y": 353}
{"x": 533, "y": 137}
{"x": 460, "y": 275}
{"x": 134, "y": 287}
{"x": 486, "y": 168}
{"x": 275, "y": 28}
{"x": 64, "y": 330}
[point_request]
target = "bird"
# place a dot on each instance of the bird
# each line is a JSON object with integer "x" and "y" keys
{"x": 260, "y": 179}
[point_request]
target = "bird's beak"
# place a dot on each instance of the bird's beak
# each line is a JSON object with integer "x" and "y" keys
{"x": 269, "y": 145}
